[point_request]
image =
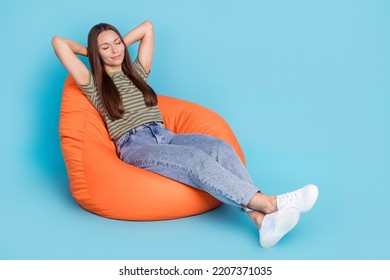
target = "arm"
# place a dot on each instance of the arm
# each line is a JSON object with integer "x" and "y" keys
{"x": 67, "y": 50}
{"x": 145, "y": 33}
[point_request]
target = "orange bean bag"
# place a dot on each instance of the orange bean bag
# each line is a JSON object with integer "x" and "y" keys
{"x": 101, "y": 183}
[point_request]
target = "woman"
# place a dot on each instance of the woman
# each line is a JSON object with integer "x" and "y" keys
{"x": 118, "y": 89}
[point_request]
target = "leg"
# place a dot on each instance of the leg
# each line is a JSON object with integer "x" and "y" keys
{"x": 263, "y": 203}
{"x": 256, "y": 217}
{"x": 217, "y": 149}
{"x": 303, "y": 199}
{"x": 208, "y": 167}
{"x": 222, "y": 152}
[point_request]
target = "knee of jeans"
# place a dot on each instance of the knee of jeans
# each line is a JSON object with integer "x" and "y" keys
{"x": 221, "y": 147}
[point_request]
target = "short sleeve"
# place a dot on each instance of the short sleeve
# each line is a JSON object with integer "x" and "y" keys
{"x": 141, "y": 69}
{"x": 90, "y": 90}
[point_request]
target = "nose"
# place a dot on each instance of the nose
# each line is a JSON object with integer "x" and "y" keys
{"x": 114, "y": 49}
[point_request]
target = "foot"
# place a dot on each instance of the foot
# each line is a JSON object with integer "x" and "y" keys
{"x": 303, "y": 199}
{"x": 276, "y": 225}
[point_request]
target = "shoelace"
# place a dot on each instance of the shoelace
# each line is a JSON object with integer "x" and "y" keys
{"x": 290, "y": 198}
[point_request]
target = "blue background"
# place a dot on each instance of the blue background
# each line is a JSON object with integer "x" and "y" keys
{"x": 305, "y": 85}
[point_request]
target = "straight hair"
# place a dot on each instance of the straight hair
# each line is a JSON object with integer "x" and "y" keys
{"x": 107, "y": 90}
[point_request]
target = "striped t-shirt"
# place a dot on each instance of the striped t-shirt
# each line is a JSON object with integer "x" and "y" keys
{"x": 135, "y": 111}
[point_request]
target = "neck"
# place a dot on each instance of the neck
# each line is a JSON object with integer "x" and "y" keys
{"x": 110, "y": 69}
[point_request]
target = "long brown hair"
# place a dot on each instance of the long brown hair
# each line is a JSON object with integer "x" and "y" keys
{"x": 108, "y": 92}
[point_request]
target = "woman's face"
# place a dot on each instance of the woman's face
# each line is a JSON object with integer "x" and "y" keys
{"x": 111, "y": 50}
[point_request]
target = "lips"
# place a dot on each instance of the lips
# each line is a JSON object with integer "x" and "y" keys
{"x": 116, "y": 57}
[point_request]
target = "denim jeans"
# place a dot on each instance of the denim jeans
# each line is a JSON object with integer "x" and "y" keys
{"x": 201, "y": 161}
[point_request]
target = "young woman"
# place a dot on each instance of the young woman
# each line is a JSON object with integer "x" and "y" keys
{"x": 118, "y": 89}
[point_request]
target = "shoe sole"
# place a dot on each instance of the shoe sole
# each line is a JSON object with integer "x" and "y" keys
{"x": 285, "y": 223}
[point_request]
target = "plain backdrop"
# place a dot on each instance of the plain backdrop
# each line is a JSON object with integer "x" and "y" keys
{"x": 305, "y": 86}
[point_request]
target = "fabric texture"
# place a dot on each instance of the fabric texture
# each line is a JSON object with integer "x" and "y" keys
{"x": 103, "y": 184}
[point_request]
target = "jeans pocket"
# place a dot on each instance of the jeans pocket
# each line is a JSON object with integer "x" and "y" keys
{"x": 125, "y": 141}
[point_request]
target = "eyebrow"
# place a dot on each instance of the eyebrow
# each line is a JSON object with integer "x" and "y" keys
{"x": 107, "y": 42}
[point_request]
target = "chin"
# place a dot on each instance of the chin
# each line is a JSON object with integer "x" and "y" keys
{"x": 117, "y": 63}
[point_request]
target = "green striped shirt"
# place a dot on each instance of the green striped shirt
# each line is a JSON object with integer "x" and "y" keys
{"x": 135, "y": 111}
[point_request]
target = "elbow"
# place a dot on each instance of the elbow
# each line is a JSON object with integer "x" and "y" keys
{"x": 148, "y": 24}
{"x": 56, "y": 40}
{"x": 149, "y": 30}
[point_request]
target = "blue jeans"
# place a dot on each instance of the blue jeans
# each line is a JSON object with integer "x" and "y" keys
{"x": 201, "y": 161}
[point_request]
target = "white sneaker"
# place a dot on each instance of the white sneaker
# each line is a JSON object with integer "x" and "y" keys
{"x": 303, "y": 199}
{"x": 277, "y": 225}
